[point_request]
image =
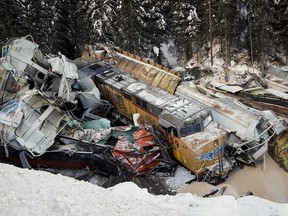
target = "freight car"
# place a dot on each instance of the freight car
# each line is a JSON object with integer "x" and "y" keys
{"x": 196, "y": 140}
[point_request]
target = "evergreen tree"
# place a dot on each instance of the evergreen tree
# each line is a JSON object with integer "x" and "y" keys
{"x": 11, "y": 17}
{"x": 102, "y": 15}
{"x": 185, "y": 27}
{"x": 82, "y": 21}
{"x": 279, "y": 23}
{"x": 128, "y": 37}
{"x": 40, "y": 17}
{"x": 256, "y": 20}
{"x": 64, "y": 37}
{"x": 230, "y": 28}
{"x": 154, "y": 27}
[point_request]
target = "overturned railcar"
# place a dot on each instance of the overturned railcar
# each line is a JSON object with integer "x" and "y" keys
{"x": 250, "y": 130}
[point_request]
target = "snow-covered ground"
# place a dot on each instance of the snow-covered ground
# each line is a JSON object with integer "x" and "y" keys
{"x": 29, "y": 192}
{"x": 238, "y": 68}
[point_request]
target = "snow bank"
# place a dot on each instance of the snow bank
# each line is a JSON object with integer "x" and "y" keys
{"x": 30, "y": 192}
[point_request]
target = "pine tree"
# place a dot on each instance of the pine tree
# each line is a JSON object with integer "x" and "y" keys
{"x": 102, "y": 16}
{"x": 230, "y": 29}
{"x": 64, "y": 37}
{"x": 279, "y": 23}
{"x": 83, "y": 23}
{"x": 185, "y": 27}
{"x": 129, "y": 26}
{"x": 11, "y": 17}
{"x": 154, "y": 25}
{"x": 40, "y": 18}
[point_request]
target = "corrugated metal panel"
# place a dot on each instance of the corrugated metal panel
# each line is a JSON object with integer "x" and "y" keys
{"x": 144, "y": 71}
{"x": 231, "y": 89}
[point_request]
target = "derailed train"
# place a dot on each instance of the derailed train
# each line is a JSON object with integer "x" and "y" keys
{"x": 250, "y": 131}
{"x": 196, "y": 140}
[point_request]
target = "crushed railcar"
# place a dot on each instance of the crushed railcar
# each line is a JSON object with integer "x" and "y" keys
{"x": 50, "y": 116}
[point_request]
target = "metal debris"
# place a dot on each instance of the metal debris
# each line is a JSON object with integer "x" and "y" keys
{"x": 52, "y": 113}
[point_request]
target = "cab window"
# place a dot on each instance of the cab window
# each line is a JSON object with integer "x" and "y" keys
{"x": 207, "y": 120}
{"x": 127, "y": 95}
{"x": 190, "y": 130}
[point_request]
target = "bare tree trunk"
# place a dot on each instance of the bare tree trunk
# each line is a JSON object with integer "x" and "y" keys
{"x": 226, "y": 47}
{"x": 250, "y": 38}
{"x": 210, "y": 34}
{"x": 188, "y": 50}
{"x": 229, "y": 51}
{"x": 221, "y": 44}
{"x": 262, "y": 44}
{"x": 262, "y": 51}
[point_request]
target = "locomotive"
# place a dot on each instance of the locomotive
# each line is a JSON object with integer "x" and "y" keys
{"x": 196, "y": 140}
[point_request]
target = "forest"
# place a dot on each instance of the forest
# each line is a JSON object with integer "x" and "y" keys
{"x": 258, "y": 29}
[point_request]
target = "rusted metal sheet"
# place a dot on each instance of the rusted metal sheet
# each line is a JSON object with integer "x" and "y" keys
{"x": 148, "y": 73}
{"x": 140, "y": 68}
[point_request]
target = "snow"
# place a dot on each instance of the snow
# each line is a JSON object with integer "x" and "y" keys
{"x": 166, "y": 50}
{"x": 134, "y": 87}
{"x": 31, "y": 192}
{"x": 193, "y": 14}
{"x": 180, "y": 178}
{"x": 156, "y": 50}
{"x": 237, "y": 71}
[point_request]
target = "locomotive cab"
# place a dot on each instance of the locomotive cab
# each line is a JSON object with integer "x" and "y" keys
{"x": 186, "y": 127}
{"x": 195, "y": 123}
{"x": 197, "y": 141}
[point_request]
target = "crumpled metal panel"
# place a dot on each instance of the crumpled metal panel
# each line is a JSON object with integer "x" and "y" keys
{"x": 30, "y": 122}
{"x": 19, "y": 57}
{"x": 228, "y": 88}
{"x": 277, "y": 78}
{"x": 62, "y": 66}
{"x": 40, "y": 125}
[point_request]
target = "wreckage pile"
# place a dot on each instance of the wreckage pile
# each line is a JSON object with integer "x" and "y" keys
{"x": 51, "y": 114}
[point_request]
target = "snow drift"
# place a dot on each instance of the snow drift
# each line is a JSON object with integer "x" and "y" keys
{"x": 31, "y": 192}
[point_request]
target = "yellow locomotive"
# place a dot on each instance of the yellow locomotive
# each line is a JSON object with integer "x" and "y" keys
{"x": 197, "y": 141}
